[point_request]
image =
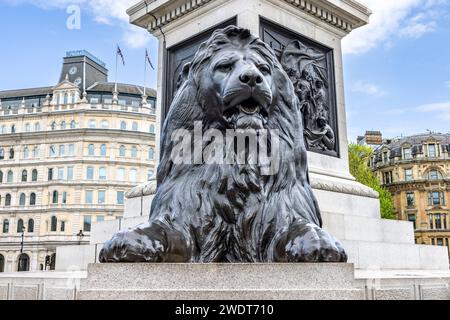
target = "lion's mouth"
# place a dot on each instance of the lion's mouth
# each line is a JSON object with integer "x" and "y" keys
{"x": 249, "y": 107}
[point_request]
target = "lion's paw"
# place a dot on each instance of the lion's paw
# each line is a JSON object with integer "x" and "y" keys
{"x": 313, "y": 245}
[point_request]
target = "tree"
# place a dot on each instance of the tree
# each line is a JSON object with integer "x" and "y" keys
{"x": 359, "y": 158}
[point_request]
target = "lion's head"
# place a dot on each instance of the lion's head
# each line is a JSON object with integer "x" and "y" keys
{"x": 235, "y": 81}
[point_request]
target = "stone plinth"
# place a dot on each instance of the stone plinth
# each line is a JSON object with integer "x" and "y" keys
{"x": 221, "y": 282}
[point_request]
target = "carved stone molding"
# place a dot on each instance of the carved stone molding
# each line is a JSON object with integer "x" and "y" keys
{"x": 356, "y": 190}
{"x": 146, "y": 189}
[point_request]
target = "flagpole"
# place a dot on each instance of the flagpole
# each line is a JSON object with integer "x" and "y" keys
{"x": 117, "y": 61}
{"x": 145, "y": 72}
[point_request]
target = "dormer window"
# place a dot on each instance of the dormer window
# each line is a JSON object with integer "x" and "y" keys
{"x": 385, "y": 157}
{"x": 432, "y": 151}
{"x": 434, "y": 175}
{"x": 407, "y": 153}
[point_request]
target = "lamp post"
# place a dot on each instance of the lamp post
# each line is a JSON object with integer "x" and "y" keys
{"x": 21, "y": 243}
{"x": 80, "y": 236}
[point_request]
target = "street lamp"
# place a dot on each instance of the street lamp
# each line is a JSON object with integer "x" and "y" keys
{"x": 21, "y": 243}
{"x": 80, "y": 236}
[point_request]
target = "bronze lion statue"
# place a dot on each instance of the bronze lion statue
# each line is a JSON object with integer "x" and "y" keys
{"x": 232, "y": 212}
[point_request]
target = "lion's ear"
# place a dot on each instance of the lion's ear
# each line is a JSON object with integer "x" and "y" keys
{"x": 184, "y": 75}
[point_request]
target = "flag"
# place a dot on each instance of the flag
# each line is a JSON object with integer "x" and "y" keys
{"x": 148, "y": 59}
{"x": 119, "y": 53}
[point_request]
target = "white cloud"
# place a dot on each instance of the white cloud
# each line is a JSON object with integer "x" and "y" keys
{"x": 104, "y": 12}
{"x": 368, "y": 88}
{"x": 441, "y": 109}
{"x": 391, "y": 18}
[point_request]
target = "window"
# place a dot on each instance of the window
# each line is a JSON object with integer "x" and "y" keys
{"x": 26, "y": 153}
{"x": 134, "y": 152}
{"x": 63, "y": 226}
{"x": 20, "y": 226}
{"x": 410, "y": 199}
{"x": 31, "y": 226}
{"x": 63, "y": 125}
{"x": 122, "y": 151}
{"x": 53, "y": 224}
{"x": 2, "y": 153}
{"x": 71, "y": 149}
{"x": 13, "y": 128}
{"x": 440, "y": 242}
{"x": 101, "y": 196}
{"x": 135, "y": 126}
{"x": 37, "y": 126}
{"x": 151, "y": 128}
{"x": 64, "y": 197}
{"x": 436, "y": 198}
{"x": 91, "y": 150}
{"x": 92, "y": 124}
{"x": 36, "y": 152}
{"x": 123, "y": 125}
{"x": 437, "y": 221}
{"x": 1, "y": 176}
{"x": 444, "y": 221}
{"x": 50, "y": 174}
{"x": 151, "y": 154}
{"x": 33, "y": 199}
{"x": 432, "y": 150}
{"x": 412, "y": 218}
{"x": 100, "y": 218}
{"x": 387, "y": 177}
{"x": 407, "y": 154}
{"x": 121, "y": 174}
{"x": 24, "y": 263}
{"x": 24, "y": 176}
{"x": 8, "y": 200}
{"x": 2, "y": 263}
{"x": 66, "y": 98}
{"x": 3, "y": 130}
{"x": 73, "y": 124}
{"x": 120, "y": 197}
{"x": 408, "y": 175}
{"x": 52, "y": 151}
{"x": 62, "y": 150}
{"x": 53, "y": 126}
{"x": 87, "y": 223}
{"x": 90, "y": 173}
{"x": 10, "y": 177}
{"x": 22, "y": 199}
{"x": 5, "y": 226}
{"x": 105, "y": 124}
{"x": 385, "y": 157}
{"x": 60, "y": 173}
{"x": 89, "y": 196}
{"x": 11, "y": 153}
{"x": 133, "y": 175}
{"x": 69, "y": 173}
{"x": 434, "y": 175}
{"x": 74, "y": 98}
{"x": 102, "y": 173}
{"x": 27, "y": 127}
{"x": 55, "y": 197}
{"x": 34, "y": 175}
{"x": 150, "y": 175}
{"x": 103, "y": 150}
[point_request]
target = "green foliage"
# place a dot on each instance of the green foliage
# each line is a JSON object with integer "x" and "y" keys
{"x": 359, "y": 158}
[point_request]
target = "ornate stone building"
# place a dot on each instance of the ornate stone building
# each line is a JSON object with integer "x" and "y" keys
{"x": 416, "y": 170}
{"x": 68, "y": 154}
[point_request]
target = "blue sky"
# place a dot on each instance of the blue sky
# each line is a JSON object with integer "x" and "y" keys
{"x": 397, "y": 69}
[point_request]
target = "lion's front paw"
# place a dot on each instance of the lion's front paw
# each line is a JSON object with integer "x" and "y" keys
{"x": 312, "y": 244}
{"x": 131, "y": 247}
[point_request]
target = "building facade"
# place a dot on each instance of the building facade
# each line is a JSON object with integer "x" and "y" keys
{"x": 416, "y": 170}
{"x": 68, "y": 154}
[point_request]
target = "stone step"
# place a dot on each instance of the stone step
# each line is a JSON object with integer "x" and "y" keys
{"x": 384, "y": 255}
{"x": 351, "y": 227}
{"x": 264, "y": 295}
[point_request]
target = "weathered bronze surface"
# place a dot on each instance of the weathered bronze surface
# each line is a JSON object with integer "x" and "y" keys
{"x": 232, "y": 212}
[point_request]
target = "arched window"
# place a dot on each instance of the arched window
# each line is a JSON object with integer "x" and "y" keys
{"x": 58, "y": 99}
{"x": 53, "y": 224}
{"x": 24, "y": 263}
{"x": 13, "y": 128}
{"x": 103, "y": 150}
{"x": 105, "y": 124}
{"x": 6, "y": 226}
{"x": 31, "y": 226}
{"x": 53, "y": 126}
{"x": 11, "y": 153}
{"x": 63, "y": 125}
{"x": 135, "y": 126}
{"x": 150, "y": 175}
{"x": 34, "y": 175}
{"x": 151, "y": 154}
{"x": 27, "y": 127}
{"x": 73, "y": 124}
{"x": 26, "y": 153}
{"x": 55, "y": 197}
{"x": 22, "y": 199}
{"x": 20, "y": 226}
{"x": 123, "y": 125}
{"x": 92, "y": 124}
{"x": 36, "y": 152}
{"x": 10, "y": 177}
{"x": 24, "y": 176}
{"x": 1, "y": 176}
{"x": 2, "y": 263}
{"x": 102, "y": 173}
{"x": 66, "y": 98}
{"x": 434, "y": 175}
{"x": 91, "y": 150}
{"x": 8, "y": 200}
{"x": 74, "y": 98}
{"x": 133, "y": 175}
{"x": 152, "y": 128}
{"x": 37, "y": 126}
{"x": 134, "y": 152}
{"x": 2, "y": 153}
{"x": 122, "y": 151}
{"x": 3, "y": 130}
{"x": 33, "y": 199}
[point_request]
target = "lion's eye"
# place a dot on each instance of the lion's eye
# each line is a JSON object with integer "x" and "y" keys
{"x": 265, "y": 69}
{"x": 225, "y": 67}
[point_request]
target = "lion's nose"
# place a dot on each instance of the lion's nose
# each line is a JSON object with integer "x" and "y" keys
{"x": 251, "y": 78}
